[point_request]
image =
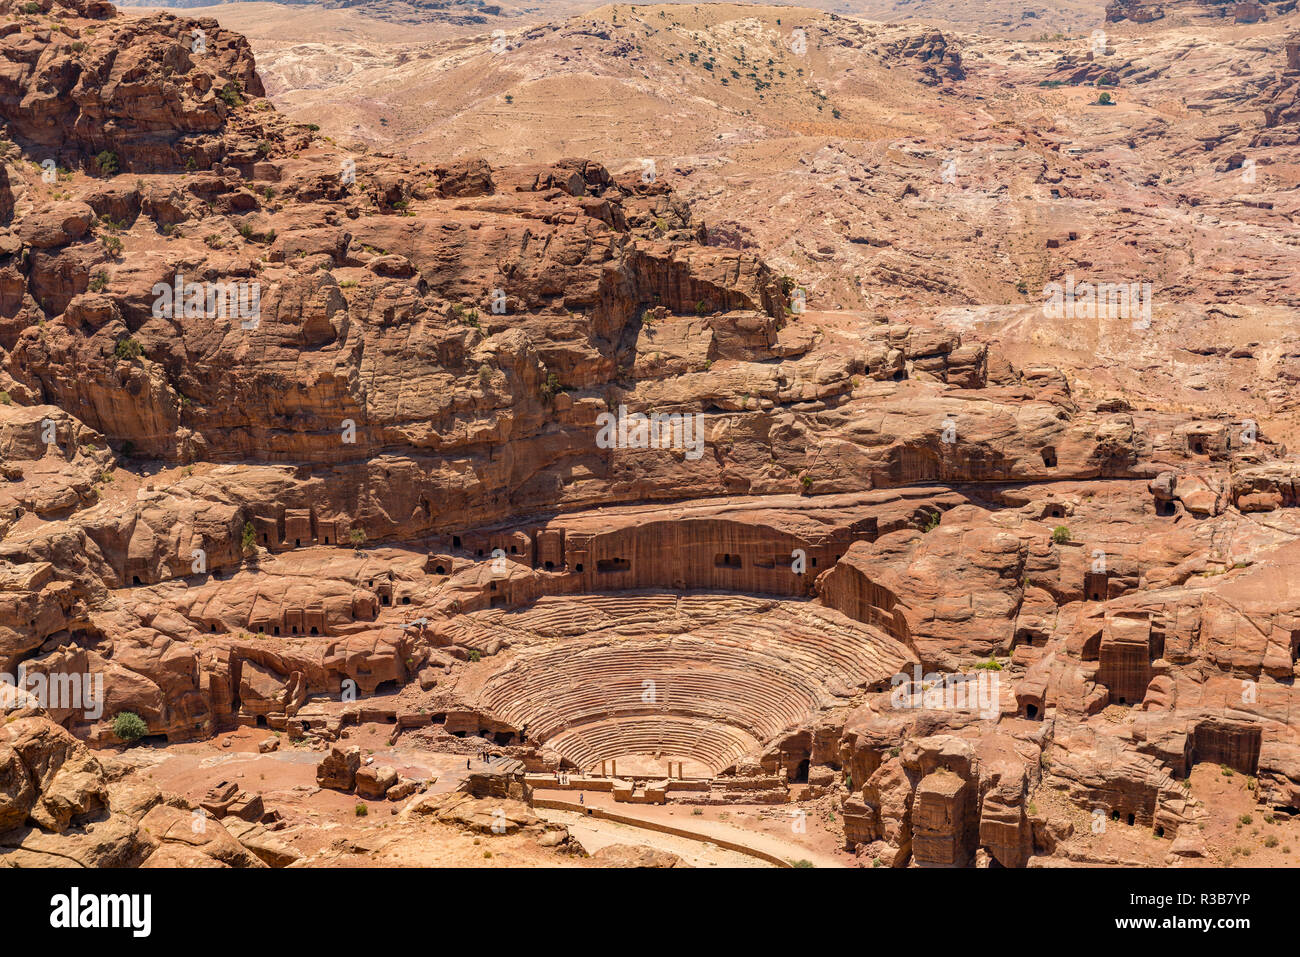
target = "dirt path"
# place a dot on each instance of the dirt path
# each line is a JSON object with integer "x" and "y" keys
{"x": 703, "y": 832}
{"x": 595, "y": 833}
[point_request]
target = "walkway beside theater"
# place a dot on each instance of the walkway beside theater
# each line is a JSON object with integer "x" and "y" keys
{"x": 604, "y": 821}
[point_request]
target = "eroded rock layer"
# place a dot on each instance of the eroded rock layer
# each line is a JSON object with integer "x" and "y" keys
{"x": 381, "y": 478}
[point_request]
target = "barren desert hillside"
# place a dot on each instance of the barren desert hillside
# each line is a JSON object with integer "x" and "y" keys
{"x": 887, "y": 167}
{"x": 704, "y": 435}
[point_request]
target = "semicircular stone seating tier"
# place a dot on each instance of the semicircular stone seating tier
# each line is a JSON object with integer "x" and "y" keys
{"x": 646, "y": 679}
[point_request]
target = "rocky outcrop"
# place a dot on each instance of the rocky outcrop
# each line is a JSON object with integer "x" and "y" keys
{"x": 939, "y": 56}
{"x": 1137, "y": 11}
{"x": 1280, "y": 99}
{"x": 1144, "y": 11}
{"x": 58, "y": 808}
{"x": 338, "y": 769}
{"x": 300, "y": 438}
{"x": 125, "y": 94}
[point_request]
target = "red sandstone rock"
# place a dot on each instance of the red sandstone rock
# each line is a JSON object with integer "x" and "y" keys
{"x": 388, "y": 489}
{"x": 338, "y": 770}
{"x": 374, "y": 782}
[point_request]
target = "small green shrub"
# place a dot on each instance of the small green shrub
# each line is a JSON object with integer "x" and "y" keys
{"x": 232, "y": 94}
{"x": 128, "y": 349}
{"x": 1060, "y": 535}
{"x": 106, "y": 163}
{"x": 551, "y": 387}
{"x": 467, "y": 316}
{"x": 129, "y": 726}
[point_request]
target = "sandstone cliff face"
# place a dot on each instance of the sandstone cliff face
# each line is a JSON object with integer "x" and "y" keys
{"x": 366, "y": 483}
{"x": 59, "y": 807}
{"x": 1280, "y": 100}
{"x": 1252, "y": 11}
{"x": 940, "y": 55}
{"x": 155, "y": 93}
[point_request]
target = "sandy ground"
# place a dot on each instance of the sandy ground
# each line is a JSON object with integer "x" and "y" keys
{"x": 326, "y": 828}
{"x": 791, "y": 832}
{"x": 595, "y": 834}
{"x": 324, "y": 825}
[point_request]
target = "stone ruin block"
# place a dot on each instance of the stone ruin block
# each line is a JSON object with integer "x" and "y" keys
{"x": 1004, "y": 829}
{"x": 503, "y": 779}
{"x": 859, "y": 820}
{"x": 1096, "y": 586}
{"x": 331, "y": 531}
{"x": 365, "y": 606}
{"x": 219, "y": 798}
{"x": 247, "y": 807}
{"x": 297, "y": 527}
{"x": 439, "y": 563}
{"x": 940, "y": 821}
{"x": 266, "y": 531}
{"x": 550, "y": 550}
{"x": 313, "y": 621}
{"x": 517, "y": 546}
{"x": 226, "y": 800}
{"x": 1031, "y": 695}
{"x": 577, "y": 553}
{"x": 1203, "y": 438}
{"x": 1234, "y": 744}
{"x": 373, "y": 782}
{"x": 338, "y": 769}
{"x": 1124, "y": 659}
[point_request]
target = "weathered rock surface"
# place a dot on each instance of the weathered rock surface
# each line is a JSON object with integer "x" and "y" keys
{"x": 873, "y": 561}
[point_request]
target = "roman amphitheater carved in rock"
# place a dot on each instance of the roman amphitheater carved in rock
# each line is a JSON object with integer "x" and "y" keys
{"x": 541, "y": 501}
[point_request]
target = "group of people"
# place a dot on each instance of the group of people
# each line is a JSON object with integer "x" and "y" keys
{"x": 483, "y": 755}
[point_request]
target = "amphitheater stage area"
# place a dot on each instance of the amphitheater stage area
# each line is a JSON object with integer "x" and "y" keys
{"x": 667, "y": 685}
